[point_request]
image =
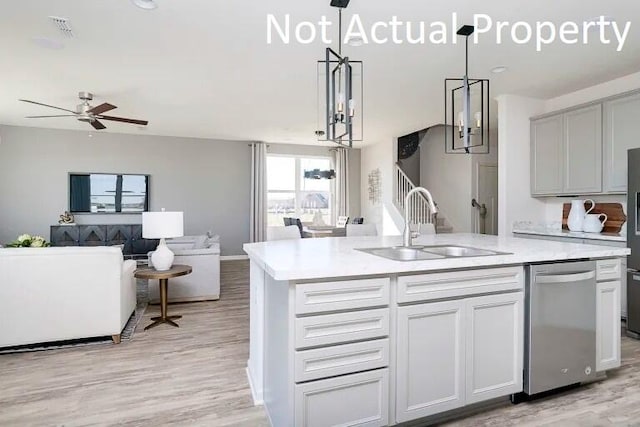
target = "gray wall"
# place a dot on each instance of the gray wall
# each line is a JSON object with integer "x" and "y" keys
{"x": 317, "y": 150}
{"x": 207, "y": 179}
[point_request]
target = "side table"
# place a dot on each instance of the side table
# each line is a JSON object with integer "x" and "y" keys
{"x": 163, "y": 278}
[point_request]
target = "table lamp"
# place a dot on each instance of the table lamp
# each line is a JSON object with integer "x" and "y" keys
{"x": 162, "y": 225}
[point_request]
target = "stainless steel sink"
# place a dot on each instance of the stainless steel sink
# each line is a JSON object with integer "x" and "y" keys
{"x": 422, "y": 253}
{"x": 401, "y": 253}
{"x": 460, "y": 251}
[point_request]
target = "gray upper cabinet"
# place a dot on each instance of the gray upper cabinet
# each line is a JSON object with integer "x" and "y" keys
{"x": 547, "y": 167}
{"x": 620, "y": 119}
{"x": 583, "y": 150}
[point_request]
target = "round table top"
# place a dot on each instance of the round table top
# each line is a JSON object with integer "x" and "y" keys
{"x": 151, "y": 273}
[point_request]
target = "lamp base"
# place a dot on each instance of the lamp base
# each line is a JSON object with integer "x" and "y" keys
{"x": 162, "y": 257}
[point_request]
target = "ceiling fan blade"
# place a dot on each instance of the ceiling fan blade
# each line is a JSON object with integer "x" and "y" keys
{"x": 122, "y": 119}
{"x": 47, "y": 105}
{"x": 43, "y": 117}
{"x": 99, "y": 109}
{"x": 97, "y": 125}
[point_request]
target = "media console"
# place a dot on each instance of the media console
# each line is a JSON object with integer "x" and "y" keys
{"x": 128, "y": 235}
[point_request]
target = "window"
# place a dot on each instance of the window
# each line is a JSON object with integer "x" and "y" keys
{"x": 289, "y": 194}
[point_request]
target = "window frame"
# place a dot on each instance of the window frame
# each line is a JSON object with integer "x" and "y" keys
{"x": 298, "y": 191}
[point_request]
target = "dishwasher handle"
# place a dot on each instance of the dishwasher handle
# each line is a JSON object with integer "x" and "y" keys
{"x": 564, "y": 278}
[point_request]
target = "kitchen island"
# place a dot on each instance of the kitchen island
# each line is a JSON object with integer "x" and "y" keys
{"x": 343, "y": 337}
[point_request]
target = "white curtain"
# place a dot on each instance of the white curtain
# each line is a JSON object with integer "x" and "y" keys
{"x": 342, "y": 182}
{"x": 258, "y": 225}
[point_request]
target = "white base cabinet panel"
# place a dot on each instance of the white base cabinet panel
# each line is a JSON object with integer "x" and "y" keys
{"x": 455, "y": 353}
{"x": 352, "y": 400}
{"x": 608, "y": 325}
{"x": 430, "y": 359}
{"x": 494, "y": 346}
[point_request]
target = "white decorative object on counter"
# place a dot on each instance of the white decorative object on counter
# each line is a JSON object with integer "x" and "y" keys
{"x": 594, "y": 224}
{"x": 577, "y": 214}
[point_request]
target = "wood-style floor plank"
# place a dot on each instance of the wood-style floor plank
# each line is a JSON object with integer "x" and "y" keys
{"x": 195, "y": 375}
{"x": 192, "y": 375}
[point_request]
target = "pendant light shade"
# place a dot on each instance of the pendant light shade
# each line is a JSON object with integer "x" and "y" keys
{"x": 466, "y": 109}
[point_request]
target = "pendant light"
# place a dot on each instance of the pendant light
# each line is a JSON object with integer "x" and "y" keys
{"x": 339, "y": 93}
{"x": 466, "y": 109}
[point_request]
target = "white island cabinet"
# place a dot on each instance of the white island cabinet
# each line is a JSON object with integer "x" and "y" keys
{"x": 463, "y": 351}
{"x": 340, "y": 337}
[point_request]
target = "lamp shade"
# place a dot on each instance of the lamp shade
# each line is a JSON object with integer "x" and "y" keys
{"x": 162, "y": 225}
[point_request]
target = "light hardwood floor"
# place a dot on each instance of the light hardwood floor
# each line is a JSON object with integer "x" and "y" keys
{"x": 192, "y": 375}
{"x": 195, "y": 375}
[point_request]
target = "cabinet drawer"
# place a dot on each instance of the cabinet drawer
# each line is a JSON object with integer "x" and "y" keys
{"x": 358, "y": 399}
{"x": 340, "y": 360}
{"x": 341, "y": 295}
{"x": 609, "y": 269}
{"x": 341, "y": 328}
{"x": 433, "y": 286}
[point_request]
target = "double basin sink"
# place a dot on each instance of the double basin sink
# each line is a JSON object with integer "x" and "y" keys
{"x": 423, "y": 253}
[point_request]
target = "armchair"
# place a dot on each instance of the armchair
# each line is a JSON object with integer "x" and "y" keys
{"x": 202, "y": 253}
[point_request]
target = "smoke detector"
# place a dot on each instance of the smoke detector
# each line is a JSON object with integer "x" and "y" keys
{"x": 63, "y": 25}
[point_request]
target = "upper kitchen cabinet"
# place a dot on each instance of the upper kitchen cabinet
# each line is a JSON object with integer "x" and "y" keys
{"x": 583, "y": 150}
{"x": 566, "y": 153}
{"x": 547, "y": 167}
{"x": 620, "y": 118}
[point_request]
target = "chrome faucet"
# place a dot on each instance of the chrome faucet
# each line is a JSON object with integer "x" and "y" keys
{"x": 432, "y": 207}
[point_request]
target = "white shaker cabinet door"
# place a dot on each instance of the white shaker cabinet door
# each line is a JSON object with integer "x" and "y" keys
{"x": 608, "y": 325}
{"x": 350, "y": 400}
{"x": 494, "y": 346}
{"x": 430, "y": 359}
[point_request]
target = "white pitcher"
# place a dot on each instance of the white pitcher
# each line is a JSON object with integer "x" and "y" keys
{"x": 594, "y": 223}
{"x": 578, "y": 213}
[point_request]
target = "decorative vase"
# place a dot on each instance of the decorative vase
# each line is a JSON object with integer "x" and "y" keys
{"x": 578, "y": 213}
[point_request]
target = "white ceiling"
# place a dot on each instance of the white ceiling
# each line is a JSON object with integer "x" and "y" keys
{"x": 202, "y": 68}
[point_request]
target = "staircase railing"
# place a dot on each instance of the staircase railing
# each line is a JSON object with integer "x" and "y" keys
{"x": 419, "y": 210}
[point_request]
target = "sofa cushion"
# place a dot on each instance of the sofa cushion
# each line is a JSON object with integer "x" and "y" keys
{"x": 201, "y": 242}
{"x": 179, "y": 246}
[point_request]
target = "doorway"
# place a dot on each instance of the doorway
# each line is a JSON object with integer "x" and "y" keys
{"x": 486, "y": 208}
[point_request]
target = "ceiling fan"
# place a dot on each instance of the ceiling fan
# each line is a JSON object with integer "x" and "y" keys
{"x": 86, "y": 113}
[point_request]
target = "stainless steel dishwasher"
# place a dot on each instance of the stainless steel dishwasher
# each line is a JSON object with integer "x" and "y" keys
{"x": 560, "y": 325}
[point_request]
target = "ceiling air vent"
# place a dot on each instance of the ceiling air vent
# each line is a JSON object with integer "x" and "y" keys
{"x": 63, "y": 25}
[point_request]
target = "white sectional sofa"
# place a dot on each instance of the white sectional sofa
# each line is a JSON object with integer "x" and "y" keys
{"x": 202, "y": 253}
{"x": 64, "y": 293}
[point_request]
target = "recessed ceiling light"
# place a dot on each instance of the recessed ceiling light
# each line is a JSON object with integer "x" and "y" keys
{"x": 48, "y": 43}
{"x": 499, "y": 69}
{"x": 145, "y": 4}
{"x": 355, "y": 41}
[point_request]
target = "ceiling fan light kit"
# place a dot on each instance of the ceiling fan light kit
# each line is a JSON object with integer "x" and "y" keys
{"x": 340, "y": 93}
{"x": 86, "y": 113}
{"x": 466, "y": 102}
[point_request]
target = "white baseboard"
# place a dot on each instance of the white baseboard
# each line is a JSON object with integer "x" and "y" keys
{"x": 234, "y": 257}
{"x": 256, "y": 394}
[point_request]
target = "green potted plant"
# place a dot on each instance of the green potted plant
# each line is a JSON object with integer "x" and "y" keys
{"x": 29, "y": 241}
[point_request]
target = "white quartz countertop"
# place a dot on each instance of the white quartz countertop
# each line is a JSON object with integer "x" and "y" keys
{"x": 542, "y": 231}
{"x": 305, "y": 259}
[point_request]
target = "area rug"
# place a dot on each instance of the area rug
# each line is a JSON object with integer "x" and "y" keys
{"x": 126, "y": 335}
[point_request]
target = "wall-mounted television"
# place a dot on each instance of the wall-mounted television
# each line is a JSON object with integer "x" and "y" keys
{"x": 108, "y": 193}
